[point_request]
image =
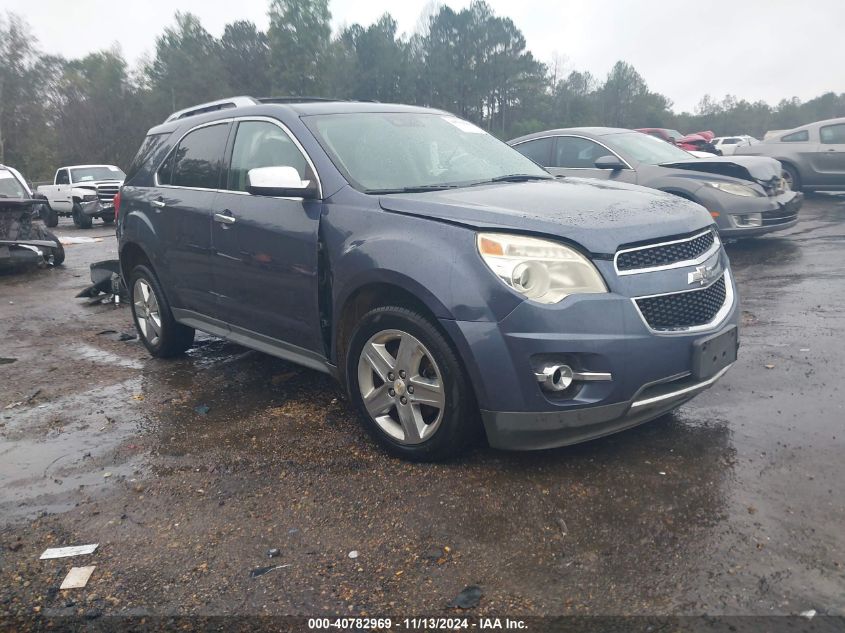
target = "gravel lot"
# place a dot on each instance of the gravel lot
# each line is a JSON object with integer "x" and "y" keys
{"x": 732, "y": 505}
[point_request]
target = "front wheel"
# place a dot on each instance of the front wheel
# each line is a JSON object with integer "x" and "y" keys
{"x": 49, "y": 216}
{"x": 791, "y": 177}
{"x": 159, "y": 332}
{"x": 81, "y": 220}
{"x": 409, "y": 386}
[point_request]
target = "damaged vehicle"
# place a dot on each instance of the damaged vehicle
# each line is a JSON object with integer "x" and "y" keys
{"x": 433, "y": 270}
{"x": 23, "y": 241}
{"x": 746, "y": 195}
{"x": 83, "y": 192}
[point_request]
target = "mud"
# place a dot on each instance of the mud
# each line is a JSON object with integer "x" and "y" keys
{"x": 188, "y": 471}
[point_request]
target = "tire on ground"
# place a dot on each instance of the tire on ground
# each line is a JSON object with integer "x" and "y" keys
{"x": 174, "y": 338}
{"x": 460, "y": 422}
{"x": 81, "y": 220}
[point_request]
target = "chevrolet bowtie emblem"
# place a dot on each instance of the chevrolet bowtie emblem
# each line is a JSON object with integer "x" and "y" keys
{"x": 702, "y": 275}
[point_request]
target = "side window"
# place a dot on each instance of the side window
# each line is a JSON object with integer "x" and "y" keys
{"x": 62, "y": 177}
{"x": 262, "y": 144}
{"x": 540, "y": 151}
{"x": 199, "y": 155}
{"x": 578, "y": 153}
{"x": 730, "y": 141}
{"x": 833, "y": 134}
{"x": 796, "y": 137}
{"x": 165, "y": 172}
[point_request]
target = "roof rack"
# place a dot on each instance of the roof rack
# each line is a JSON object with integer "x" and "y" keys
{"x": 212, "y": 106}
{"x": 295, "y": 99}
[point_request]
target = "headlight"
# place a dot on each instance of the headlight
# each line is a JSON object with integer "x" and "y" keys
{"x": 735, "y": 189}
{"x": 540, "y": 270}
{"x": 90, "y": 197}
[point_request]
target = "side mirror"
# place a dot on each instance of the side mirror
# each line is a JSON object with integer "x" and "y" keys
{"x": 609, "y": 162}
{"x": 279, "y": 181}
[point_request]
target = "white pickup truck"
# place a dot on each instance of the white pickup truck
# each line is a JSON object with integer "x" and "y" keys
{"x": 83, "y": 192}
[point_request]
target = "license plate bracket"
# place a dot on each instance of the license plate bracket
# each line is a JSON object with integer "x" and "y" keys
{"x": 713, "y": 353}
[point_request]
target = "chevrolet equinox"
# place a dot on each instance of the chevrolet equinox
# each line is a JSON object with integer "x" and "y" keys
{"x": 436, "y": 272}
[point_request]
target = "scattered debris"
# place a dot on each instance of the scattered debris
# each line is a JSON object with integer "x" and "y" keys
{"x": 14, "y": 404}
{"x": 33, "y": 396}
{"x": 77, "y": 577}
{"x": 273, "y": 553}
{"x": 73, "y": 550}
{"x": 353, "y": 553}
{"x": 808, "y": 614}
{"x": 804, "y": 349}
{"x": 468, "y": 598}
{"x": 260, "y": 571}
{"x": 106, "y": 475}
{"x": 661, "y": 472}
{"x": 7, "y": 361}
{"x": 201, "y": 409}
{"x": 769, "y": 366}
{"x": 126, "y": 336}
{"x": 66, "y": 239}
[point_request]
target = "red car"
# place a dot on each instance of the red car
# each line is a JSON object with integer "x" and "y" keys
{"x": 699, "y": 141}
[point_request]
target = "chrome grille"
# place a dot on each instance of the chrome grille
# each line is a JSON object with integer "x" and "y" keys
{"x": 665, "y": 254}
{"x": 683, "y": 310}
{"x": 106, "y": 193}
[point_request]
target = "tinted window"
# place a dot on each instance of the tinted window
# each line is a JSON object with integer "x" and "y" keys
{"x": 62, "y": 177}
{"x": 151, "y": 144}
{"x": 98, "y": 172}
{"x": 540, "y": 151}
{"x": 573, "y": 152}
{"x": 796, "y": 137}
{"x": 198, "y": 157}
{"x": 730, "y": 141}
{"x": 262, "y": 144}
{"x": 833, "y": 134}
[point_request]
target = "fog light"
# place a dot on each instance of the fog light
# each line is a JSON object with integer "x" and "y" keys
{"x": 749, "y": 219}
{"x": 555, "y": 377}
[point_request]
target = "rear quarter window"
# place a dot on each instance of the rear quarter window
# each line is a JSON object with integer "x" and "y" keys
{"x": 796, "y": 137}
{"x": 147, "y": 154}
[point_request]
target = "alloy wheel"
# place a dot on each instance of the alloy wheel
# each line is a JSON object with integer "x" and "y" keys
{"x": 147, "y": 311}
{"x": 401, "y": 386}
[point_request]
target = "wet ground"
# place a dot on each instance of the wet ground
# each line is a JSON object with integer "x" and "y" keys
{"x": 187, "y": 472}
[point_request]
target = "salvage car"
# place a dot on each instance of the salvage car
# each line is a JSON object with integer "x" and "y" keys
{"x": 430, "y": 268}
{"x": 727, "y": 145}
{"x": 812, "y": 156}
{"x": 83, "y": 192}
{"x": 746, "y": 195}
{"x": 22, "y": 240}
{"x": 696, "y": 142}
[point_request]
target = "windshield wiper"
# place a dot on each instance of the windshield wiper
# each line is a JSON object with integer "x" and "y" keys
{"x": 417, "y": 189}
{"x": 516, "y": 178}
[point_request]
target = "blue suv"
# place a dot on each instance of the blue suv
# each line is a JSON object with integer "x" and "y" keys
{"x": 441, "y": 276}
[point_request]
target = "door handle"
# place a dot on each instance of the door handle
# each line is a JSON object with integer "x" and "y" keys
{"x": 225, "y": 218}
{"x": 158, "y": 204}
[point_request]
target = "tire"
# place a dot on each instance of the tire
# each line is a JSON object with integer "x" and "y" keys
{"x": 791, "y": 176}
{"x": 145, "y": 295}
{"x": 108, "y": 219}
{"x": 391, "y": 412}
{"x": 58, "y": 253}
{"x": 49, "y": 216}
{"x": 81, "y": 220}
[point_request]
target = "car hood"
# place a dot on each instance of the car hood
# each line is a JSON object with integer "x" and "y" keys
{"x": 760, "y": 169}
{"x": 598, "y": 215}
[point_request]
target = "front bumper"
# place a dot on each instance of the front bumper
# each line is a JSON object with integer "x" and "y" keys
{"x": 777, "y": 213}
{"x": 95, "y": 208}
{"x": 652, "y": 373}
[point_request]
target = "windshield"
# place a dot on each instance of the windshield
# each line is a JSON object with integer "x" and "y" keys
{"x": 646, "y": 149}
{"x": 100, "y": 172}
{"x": 10, "y": 187}
{"x": 381, "y": 152}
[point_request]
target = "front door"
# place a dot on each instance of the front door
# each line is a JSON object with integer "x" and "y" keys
{"x": 265, "y": 248}
{"x": 831, "y": 156}
{"x": 576, "y": 156}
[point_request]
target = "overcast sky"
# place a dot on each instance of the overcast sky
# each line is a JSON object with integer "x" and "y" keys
{"x": 753, "y": 49}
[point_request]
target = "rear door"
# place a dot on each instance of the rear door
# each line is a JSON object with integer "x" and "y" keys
{"x": 831, "y": 157}
{"x": 181, "y": 206}
{"x": 265, "y": 248}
